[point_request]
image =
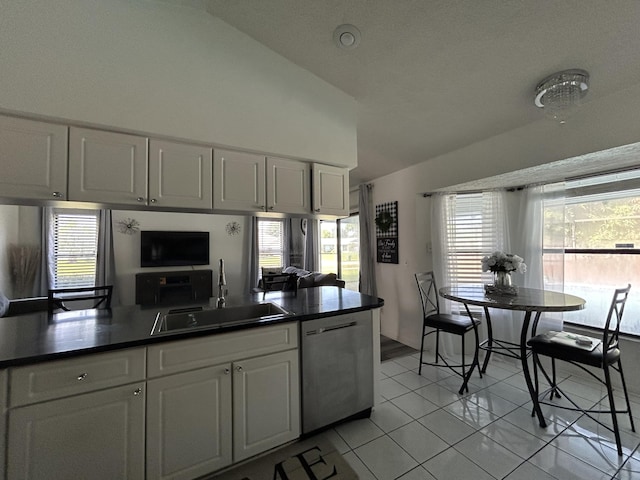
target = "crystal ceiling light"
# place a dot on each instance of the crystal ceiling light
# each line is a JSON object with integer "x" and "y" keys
{"x": 561, "y": 93}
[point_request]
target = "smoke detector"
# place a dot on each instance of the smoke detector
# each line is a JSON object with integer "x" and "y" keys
{"x": 346, "y": 36}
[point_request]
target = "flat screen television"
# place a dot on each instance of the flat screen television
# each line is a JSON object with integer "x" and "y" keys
{"x": 173, "y": 248}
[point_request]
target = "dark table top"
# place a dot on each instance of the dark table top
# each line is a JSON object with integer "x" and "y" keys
{"x": 527, "y": 299}
{"x": 39, "y": 337}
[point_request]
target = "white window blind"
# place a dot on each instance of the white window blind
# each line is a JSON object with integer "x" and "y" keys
{"x": 75, "y": 249}
{"x": 270, "y": 243}
{"x": 475, "y": 228}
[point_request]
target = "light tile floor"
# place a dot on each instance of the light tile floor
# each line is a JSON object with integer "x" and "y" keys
{"x": 424, "y": 430}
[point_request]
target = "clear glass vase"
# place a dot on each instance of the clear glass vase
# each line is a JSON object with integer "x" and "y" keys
{"x": 502, "y": 279}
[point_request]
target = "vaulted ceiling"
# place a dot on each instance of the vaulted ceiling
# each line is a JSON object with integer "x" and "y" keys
{"x": 434, "y": 76}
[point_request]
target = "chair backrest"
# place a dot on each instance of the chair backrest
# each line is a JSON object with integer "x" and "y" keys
{"x": 428, "y": 293}
{"x": 612, "y": 325}
{"x": 94, "y": 297}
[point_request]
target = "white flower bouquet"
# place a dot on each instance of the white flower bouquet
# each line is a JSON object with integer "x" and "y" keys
{"x": 503, "y": 262}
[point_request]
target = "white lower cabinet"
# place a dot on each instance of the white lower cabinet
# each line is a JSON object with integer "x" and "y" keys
{"x": 266, "y": 403}
{"x": 190, "y": 415}
{"x": 207, "y": 402}
{"x": 213, "y": 401}
{"x": 189, "y": 423}
{"x": 98, "y": 435}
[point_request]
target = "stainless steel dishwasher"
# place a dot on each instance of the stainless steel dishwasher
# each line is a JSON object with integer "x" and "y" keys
{"x": 337, "y": 369}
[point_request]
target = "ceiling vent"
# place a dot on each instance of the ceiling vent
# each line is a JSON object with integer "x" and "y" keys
{"x": 346, "y": 36}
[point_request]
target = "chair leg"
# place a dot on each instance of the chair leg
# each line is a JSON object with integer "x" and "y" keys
{"x": 421, "y": 350}
{"x": 464, "y": 372}
{"x": 626, "y": 395}
{"x": 437, "y": 346}
{"x": 612, "y": 406}
{"x": 489, "y": 341}
{"x": 536, "y": 383}
{"x": 553, "y": 376}
{"x": 476, "y": 358}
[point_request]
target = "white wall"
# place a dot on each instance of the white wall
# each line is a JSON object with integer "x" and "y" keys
{"x": 231, "y": 248}
{"x": 169, "y": 70}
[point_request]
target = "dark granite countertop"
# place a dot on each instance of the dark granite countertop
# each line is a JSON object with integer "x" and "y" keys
{"x": 34, "y": 338}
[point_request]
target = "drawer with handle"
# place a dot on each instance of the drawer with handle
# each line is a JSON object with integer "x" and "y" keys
{"x": 71, "y": 376}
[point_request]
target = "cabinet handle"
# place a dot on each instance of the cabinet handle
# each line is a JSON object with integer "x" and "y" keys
{"x": 153, "y": 200}
{"x": 82, "y": 376}
{"x": 227, "y": 371}
{"x": 261, "y": 207}
{"x": 140, "y": 199}
{"x": 57, "y": 194}
{"x": 239, "y": 368}
{"x": 317, "y": 209}
{"x": 137, "y": 392}
{"x": 271, "y": 207}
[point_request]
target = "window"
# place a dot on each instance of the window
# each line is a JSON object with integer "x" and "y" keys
{"x": 598, "y": 250}
{"x": 271, "y": 243}
{"x": 74, "y": 248}
{"x": 474, "y": 228}
{"x": 340, "y": 249}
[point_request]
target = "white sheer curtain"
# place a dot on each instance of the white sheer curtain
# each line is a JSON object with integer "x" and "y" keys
{"x": 442, "y": 211}
{"x": 464, "y": 228}
{"x": 525, "y": 222}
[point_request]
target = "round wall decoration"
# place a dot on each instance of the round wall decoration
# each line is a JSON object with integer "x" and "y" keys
{"x": 233, "y": 228}
{"x": 129, "y": 226}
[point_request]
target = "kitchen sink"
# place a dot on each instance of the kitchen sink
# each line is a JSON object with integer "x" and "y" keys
{"x": 199, "y": 318}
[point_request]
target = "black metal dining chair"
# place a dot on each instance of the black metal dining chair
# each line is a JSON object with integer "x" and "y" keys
{"x": 63, "y": 299}
{"x": 435, "y": 322}
{"x": 586, "y": 353}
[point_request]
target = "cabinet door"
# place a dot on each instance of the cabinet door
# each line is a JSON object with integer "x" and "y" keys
{"x": 239, "y": 181}
{"x": 147, "y": 289}
{"x": 189, "y": 423}
{"x": 180, "y": 175}
{"x": 201, "y": 285}
{"x": 266, "y": 403}
{"x": 96, "y": 435}
{"x": 330, "y": 190}
{"x": 288, "y": 186}
{"x": 33, "y": 156}
{"x": 107, "y": 167}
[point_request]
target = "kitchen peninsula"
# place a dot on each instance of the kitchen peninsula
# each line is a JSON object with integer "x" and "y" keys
{"x": 173, "y": 405}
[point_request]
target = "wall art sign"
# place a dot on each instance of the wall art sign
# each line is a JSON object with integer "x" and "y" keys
{"x": 387, "y": 232}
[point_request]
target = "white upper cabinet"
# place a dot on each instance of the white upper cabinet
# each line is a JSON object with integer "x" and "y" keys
{"x": 250, "y": 182}
{"x": 288, "y": 185}
{"x": 239, "y": 181}
{"x": 180, "y": 175}
{"x": 107, "y": 167}
{"x": 48, "y": 161}
{"x": 33, "y": 156}
{"x": 330, "y": 190}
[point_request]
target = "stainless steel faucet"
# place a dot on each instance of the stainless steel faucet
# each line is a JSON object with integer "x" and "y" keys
{"x": 222, "y": 282}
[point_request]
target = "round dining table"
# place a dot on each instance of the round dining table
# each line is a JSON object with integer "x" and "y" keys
{"x": 528, "y": 300}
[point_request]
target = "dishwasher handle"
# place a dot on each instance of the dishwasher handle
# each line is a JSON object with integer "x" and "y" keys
{"x": 330, "y": 328}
